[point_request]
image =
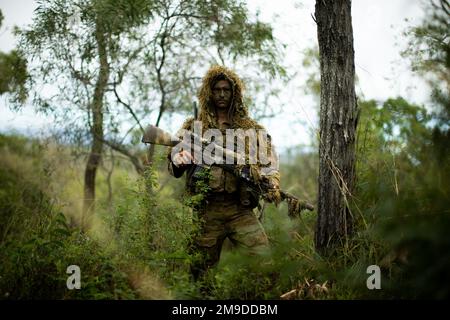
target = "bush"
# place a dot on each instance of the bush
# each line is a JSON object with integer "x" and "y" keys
{"x": 37, "y": 245}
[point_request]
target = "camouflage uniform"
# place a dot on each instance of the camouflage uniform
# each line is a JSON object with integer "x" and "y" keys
{"x": 222, "y": 213}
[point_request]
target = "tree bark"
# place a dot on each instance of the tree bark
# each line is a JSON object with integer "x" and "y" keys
{"x": 338, "y": 121}
{"x": 97, "y": 133}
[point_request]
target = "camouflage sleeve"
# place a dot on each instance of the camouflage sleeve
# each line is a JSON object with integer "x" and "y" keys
{"x": 271, "y": 170}
{"x": 272, "y": 174}
{"x": 173, "y": 169}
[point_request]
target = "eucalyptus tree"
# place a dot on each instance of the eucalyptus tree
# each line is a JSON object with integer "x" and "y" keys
{"x": 338, "y": 121}
{"x": 13, "y": 73}
{"x": 428, "y": 51}
{"x": 102, "y": 68}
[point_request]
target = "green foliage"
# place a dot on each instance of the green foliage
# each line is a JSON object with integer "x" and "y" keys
{"x": 403, "y": 196}
{"x": 428, "y": 51}
{"x": 36, "y": 243}
{"x": 400, "y": 203}
{"x": 201, "y": 187}
{"x": 63, "y": 45}
{"x": 120, "y": 16}
{"x": 267, "y": 275}
{"x": 13, "y": 71}
{"x": 36, "y": 268}
{"x": 401, "y": 200}
{"x": 299, "y": 173}
{"x": 429, "y": 46}
{"x": 151, "y": 229}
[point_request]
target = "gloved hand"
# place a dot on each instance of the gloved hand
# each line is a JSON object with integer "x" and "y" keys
{"x": 273, "y": 194}
{"x": 295, "y": 206}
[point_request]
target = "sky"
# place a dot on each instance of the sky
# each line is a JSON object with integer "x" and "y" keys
{"x": 378, "y": 40}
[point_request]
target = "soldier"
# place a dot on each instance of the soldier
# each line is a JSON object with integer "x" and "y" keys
{"x": 222, "y": 211}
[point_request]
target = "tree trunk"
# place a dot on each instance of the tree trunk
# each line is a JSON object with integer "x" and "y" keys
{"x": 151, "y": 149}
{"x": 150, "y": 154}
{"x": 95, "y": 155}
{"x": 338, "y": 120}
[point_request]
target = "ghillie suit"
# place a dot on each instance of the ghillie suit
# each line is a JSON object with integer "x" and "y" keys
{"x": 218, "y": 194}
{"x": 238, "y": 114}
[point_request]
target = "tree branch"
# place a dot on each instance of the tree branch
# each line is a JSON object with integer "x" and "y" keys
{"x": 120, "y": 148}
{"x": 128, "y": 107}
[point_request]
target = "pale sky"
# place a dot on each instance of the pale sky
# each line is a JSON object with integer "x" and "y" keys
{"x": 378, "y": 40}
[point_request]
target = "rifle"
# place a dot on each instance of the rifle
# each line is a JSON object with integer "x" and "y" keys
{"x": 155, "y": 135}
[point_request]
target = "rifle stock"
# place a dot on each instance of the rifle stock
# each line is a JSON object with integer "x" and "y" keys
{"x": 155, "y": 135}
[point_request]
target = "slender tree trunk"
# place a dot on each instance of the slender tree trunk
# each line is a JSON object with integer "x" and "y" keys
{"x": 150, "y": 154}
{"x": 338, "y": 120}
{"x": 95, "y": 155}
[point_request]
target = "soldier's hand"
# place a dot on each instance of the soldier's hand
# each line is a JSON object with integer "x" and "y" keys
{"x": 296, "y": 206}
{"x": 274, "y": 184}
{"x": 273, "y": 194}
{"x": 182, "y": 158}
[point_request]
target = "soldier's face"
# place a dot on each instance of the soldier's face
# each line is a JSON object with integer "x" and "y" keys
{"x": 222, "y": 94}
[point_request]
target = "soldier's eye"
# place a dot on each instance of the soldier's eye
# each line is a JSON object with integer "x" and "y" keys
{"x": 225, "y": 90}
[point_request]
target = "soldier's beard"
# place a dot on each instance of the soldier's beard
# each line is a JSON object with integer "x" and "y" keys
{"x": 229, "y": 109}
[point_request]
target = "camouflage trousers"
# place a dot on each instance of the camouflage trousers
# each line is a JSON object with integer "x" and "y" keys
{"x": 224, "y": 217}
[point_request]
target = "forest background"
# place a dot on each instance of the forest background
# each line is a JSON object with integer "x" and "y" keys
{"x": 131, "y": 242}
